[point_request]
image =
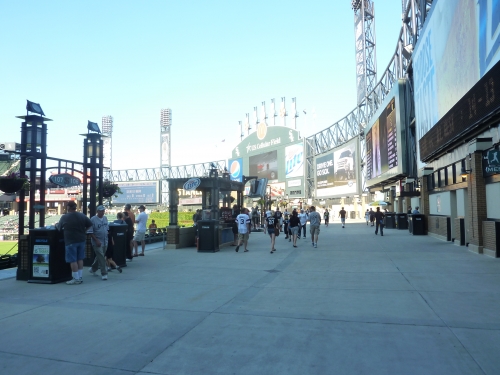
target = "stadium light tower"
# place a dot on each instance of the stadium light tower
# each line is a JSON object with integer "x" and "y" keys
{"x": 165, "y": 150}
{"x": 366, "y": 59}
{"x": 107, "y": 129}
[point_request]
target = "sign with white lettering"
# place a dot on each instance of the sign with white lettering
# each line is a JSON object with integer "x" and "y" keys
{"x": 491, "y": 162}
{"x": 65, "y": 180}
{"x": 192, "y": 184}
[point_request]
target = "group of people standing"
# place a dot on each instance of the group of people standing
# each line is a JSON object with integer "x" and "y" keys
{"x": 276, "y": 222}
{"x": 75, "y": 226}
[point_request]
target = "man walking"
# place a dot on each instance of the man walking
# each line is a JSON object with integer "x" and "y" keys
{"x": 244, "y": 226}
{"x": 342, "y": 214}
{"x": 74, "y": 226}
{"x": 303, "y": 217}
{"x": 314, "y": 223}
{"x": 99, "y": 242}
{"x": 379, "y": 221}
{"x": 140, "y": 233}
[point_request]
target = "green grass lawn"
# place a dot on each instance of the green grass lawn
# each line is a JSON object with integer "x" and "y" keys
{"x": 5, "y": 246}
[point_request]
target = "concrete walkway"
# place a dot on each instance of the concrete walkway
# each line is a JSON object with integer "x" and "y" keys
{"x": 359, "y": 304}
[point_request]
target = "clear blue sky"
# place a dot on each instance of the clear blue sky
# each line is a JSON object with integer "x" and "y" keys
{"x": 210, "y": 61}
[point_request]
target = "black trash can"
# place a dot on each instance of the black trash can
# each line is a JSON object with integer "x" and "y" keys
{"x": 208, "y": 236}
{"x": 389, "y": 221}
{"x": 402, "y": 221}
{"x": 417, "y": 224}
{"x": 119, "y": 234}
{"x": 47, "y": 257}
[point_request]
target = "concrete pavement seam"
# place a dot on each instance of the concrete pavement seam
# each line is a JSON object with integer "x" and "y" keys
{"x": 440, "y": 318}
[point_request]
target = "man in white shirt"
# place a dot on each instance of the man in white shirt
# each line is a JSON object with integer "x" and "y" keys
{"x": 244, "y": 226}
{"x": 303, "y": 217}
{"x": 140, "y": 232}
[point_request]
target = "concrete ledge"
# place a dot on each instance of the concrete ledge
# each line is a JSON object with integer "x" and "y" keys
{"x": 475, "y": 249}
{"x": 490, "y": 253}
{"x": 439, "y": 237}
{"x": 175, "y": 246}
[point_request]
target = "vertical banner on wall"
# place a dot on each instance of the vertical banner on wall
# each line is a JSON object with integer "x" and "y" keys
{"x": 236, "y": 169}
{"x": 382, "y": 143}
{"x": 294, "y": 161}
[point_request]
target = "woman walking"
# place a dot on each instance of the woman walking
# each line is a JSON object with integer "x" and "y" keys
{"x": 326, "y": 217}
{"x": 367, "y": 216}
{"x": 272, "y": 224}
{"x": 294, "y": 226}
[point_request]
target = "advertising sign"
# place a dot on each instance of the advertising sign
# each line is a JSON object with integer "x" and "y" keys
{"x": 264, "y": 165}
{"x": 137, "y": 192}
{"x": 336, "y": 171}
{"x": 272, "y": 152}
{"x": 491, "y": 162}
{"x": 459, "y": 44}
{"x": 191, "y": 184}
{"x": 41, "y": 260}
{"x": 294, "y": 161}
{"x": 236, "y": 169}
{"x": 381, "y": 143}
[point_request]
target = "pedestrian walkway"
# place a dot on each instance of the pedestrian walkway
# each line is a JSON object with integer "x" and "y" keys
{"x": 358, "y": 304}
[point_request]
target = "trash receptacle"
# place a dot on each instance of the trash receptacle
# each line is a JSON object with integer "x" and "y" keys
{"x": 119, "y": 234}
{"x": 47, "y": 257}
{"x": 353, "y": 214}
{"x": 417, "y": 224}
{"x": 208, "y": 236}
{"x": 402, "y": 221}
{"x": 389, "y": 221}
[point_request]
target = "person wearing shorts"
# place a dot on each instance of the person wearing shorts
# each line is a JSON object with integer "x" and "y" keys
{"x": 74, "y": 226}
{"x": 244, "y": 227}
{"x": 140, "y": 234}
{"x": 342, "y": 214}
{"x": 272, "y": 222}
{"x": 314, "y": 223}
{"x": 294, "y": 226}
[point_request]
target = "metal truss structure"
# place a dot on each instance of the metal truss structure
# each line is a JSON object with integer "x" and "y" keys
{"x": 366, "y": 57}
{"x": 180, "y": 171}
{"x": 354, "y": 123}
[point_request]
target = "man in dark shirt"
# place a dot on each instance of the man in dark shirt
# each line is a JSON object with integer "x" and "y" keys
{"x": 379, "y": 221}
{"x": 74, "y": 226}
{"x": 130, "y": 235}
{"x": 342, "y": 214}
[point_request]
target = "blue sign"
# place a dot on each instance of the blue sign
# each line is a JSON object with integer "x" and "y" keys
{"x": 236, "y": 169}
{"x": 137, "y": 193}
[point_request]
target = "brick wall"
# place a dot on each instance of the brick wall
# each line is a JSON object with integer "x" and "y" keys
{"x": 457, "y": 230}
{"x": 173, "y": 233}
{"x": 490, "y": 235}
{"x": 438, "y": 225}
{"x": 476, "y": 190}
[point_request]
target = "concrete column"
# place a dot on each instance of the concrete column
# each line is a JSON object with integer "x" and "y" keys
{"x": 476, "y": 190}
{"x": 424, "y": 196}
{"x": 391, "y": 201}
{"x": 400, "y": 205}
{"x": 407, "y": 199}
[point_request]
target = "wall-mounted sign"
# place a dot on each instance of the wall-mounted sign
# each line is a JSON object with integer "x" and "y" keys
{"x": 236, "y": 169}
{"x": 65, "y": 180}
{"x": 491, "y": 162}
{"x": 191, "y": 184}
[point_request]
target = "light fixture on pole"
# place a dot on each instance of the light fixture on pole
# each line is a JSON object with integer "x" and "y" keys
{"x": 465, "y": 172}
{"x": 34, "y": 108}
